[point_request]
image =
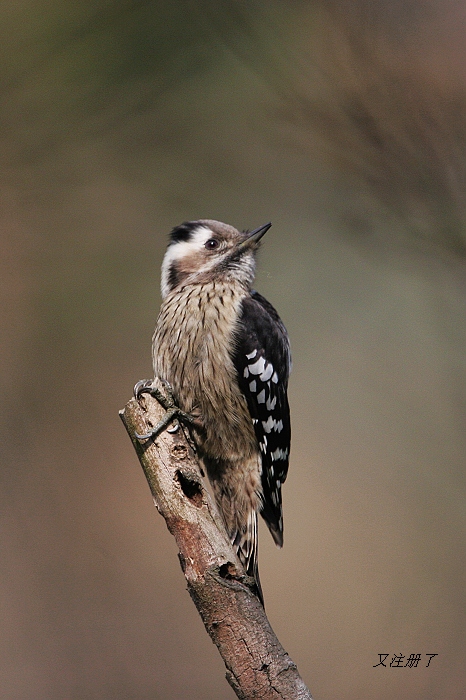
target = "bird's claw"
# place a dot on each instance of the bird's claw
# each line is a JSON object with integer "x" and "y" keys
{"x": 147, "y": 386}
{"x": 143, "y": 386}
{"x": 167, "y": 400}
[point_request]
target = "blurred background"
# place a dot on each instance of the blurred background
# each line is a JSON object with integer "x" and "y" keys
{"x": 344, "y": 124}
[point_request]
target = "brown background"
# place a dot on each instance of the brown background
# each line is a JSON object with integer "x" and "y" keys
{"x": 344, "y": 124}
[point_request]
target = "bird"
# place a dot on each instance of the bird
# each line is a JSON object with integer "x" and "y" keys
{"x": 223, "y": 353}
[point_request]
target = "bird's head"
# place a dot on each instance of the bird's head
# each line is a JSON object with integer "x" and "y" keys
{"x": 205, "y": 250}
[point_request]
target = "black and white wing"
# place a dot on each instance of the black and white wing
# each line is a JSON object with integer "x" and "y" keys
{"x": 262, "y": 361}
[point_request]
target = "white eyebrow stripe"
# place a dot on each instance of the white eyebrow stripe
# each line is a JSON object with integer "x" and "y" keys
{"x": 179, "y": 250}
{"x": 252, "y": 354}
{"x": 199, "y": 236}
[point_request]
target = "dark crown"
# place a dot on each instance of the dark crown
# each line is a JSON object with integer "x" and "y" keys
{"x": 183, "y": 231}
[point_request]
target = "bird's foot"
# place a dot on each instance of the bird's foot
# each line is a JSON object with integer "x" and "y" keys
{"x": 167, "y": 401}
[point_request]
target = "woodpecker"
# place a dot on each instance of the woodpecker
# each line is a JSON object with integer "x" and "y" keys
{"x": 224, "y": 353}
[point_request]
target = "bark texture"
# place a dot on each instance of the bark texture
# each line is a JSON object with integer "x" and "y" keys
{"x": 257, "y": 665}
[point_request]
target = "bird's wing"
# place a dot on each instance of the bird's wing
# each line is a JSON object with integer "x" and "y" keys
{"x": 262, "y": 362}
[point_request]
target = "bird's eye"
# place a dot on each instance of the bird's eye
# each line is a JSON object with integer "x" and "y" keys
{"x": 211, "y": 244}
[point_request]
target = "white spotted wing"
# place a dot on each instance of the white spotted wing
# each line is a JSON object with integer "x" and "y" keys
{"x": 262, "y": 362}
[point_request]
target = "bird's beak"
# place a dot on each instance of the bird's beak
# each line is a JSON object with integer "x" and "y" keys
{"x": 253, "y": 237}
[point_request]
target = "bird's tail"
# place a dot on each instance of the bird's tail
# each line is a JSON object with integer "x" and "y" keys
{"x": 245, "y": 543}
{"x": 235, "y": 488}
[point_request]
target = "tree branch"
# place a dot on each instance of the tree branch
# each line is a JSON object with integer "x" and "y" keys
{"x": 257, "y": 665}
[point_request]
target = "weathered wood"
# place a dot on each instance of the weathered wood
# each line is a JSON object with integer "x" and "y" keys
{"x": 257, "y": 665}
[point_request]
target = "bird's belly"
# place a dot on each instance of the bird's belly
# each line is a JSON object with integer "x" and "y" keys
{"x": 194, "y": 357}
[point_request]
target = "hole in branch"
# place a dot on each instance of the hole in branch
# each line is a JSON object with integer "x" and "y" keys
{"x": 191, "y": 487}
{"x": 228, "y": 571}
